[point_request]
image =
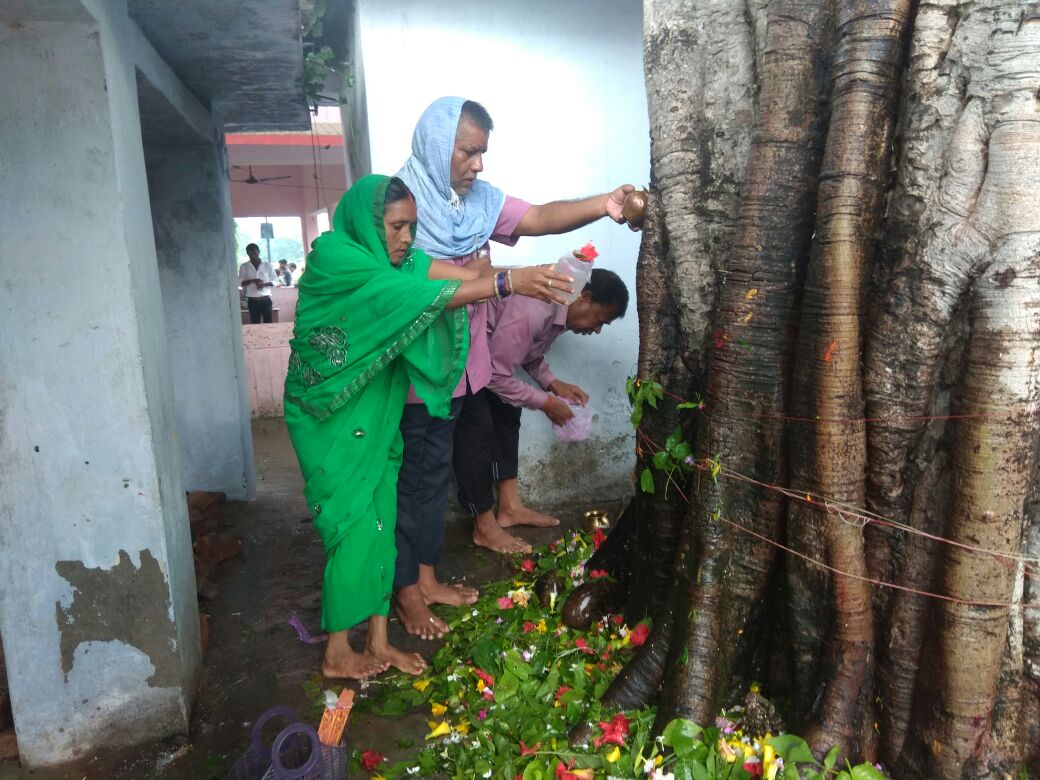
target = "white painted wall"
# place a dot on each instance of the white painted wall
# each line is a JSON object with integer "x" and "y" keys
{"x": 563, "y": 82}
{"x": 88, "y": 461}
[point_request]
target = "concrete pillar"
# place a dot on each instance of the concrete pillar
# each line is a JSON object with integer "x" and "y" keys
{"x": 97, "y": 592}
{"x": 194, "y": 239}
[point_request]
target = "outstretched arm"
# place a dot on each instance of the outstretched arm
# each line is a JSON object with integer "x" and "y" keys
{"x": 562, "y": 216}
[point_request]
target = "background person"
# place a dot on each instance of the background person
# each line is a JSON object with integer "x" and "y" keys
{"x": 256, "y": 279}
{"x": 458, "y": 216}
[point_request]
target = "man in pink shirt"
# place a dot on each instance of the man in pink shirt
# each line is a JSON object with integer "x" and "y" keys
{"x": 520, "y": 332}
{"x": 458, "y": 216}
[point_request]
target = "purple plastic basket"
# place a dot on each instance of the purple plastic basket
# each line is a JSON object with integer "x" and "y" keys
{"x": 290, "y": 760}
{"x": 256, "y": 761}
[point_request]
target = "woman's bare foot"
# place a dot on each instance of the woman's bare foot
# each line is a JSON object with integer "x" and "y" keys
{"x": 521, "y": 515}
{"x": 488, "y": 533}
{"x": 409, "y": 663}
{"x": 416, "y": 616}
{"x": 436, "y": 592}
{"x": 341, "y": 661}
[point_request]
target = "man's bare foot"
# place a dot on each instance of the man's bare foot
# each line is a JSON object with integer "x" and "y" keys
{"x": 352, "y": 665}
{"x": 488, "y": 533}
{"x": 521, "y": 515}
{"x": 416, "y": 616}
{"x": 453, "y": 595}
{"x": 409, "y": 663}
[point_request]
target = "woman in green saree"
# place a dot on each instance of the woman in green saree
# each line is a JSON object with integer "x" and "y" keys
{"x": 374, "y": 315}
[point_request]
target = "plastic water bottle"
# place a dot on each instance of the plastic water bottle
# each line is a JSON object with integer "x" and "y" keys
{"x": 579, "y": 269}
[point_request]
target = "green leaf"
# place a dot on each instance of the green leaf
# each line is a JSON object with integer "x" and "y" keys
{"x": 673, "y": 438}
{"x": 831, "y": 758}
{"x": 485, "y": 655}
{"x": 506, "y": 686}
{"x": 662, "y": 460}
{"x": 792, "y": 749}
{"x": 682, "y": 735}
{"x": 866, "y": 772}
{"x": 549, "y": 686}
{"x": 687, "y": 405}
{"x": 536, "y": 770}
{"x": 682, "y": 451}
{"x": 637, "y": 416}
{"x": 517, "y": 666}
{"x": 646, "y": 481}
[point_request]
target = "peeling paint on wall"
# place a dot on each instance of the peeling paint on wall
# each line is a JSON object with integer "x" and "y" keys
{"x": 120, "y": 605}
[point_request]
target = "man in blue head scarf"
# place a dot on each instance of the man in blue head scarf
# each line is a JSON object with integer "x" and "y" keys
{"x": 458, "y": 215}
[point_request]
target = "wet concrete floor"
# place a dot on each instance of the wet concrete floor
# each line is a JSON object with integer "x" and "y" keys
{"x": 255, "y": 659}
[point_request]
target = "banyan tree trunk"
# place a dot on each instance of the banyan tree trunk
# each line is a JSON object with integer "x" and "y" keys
{"x": 877, "y": 489}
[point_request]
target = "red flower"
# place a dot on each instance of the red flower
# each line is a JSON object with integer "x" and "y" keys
{"x": 617, "y": 620}
{"x": 370, "y": 759}
{"x": 615, "y": 731}
{"x": 529, "y": 626}
{"x": 639, "y": 634}
{"x": 529, "y": 751}
{"x": 487, "y": 678}
{"x": 588, "y": 252}
{"x": 753, "y": 768}
{"x": 598, "y": 538}
{"x": 597, "y": 573}
{"x": 488, "y": 695}
{"x": 562, "y": 690}
{"x": 582, "y": 645}
{"x": 565, "y": 773}
{"x": 527, "y": 565}
{"x": 504, "y": 602}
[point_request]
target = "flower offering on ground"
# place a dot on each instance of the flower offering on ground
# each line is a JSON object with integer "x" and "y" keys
{"x": 512, "y": 680}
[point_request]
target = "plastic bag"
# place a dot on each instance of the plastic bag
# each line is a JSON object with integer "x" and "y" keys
{"x": 576, "y": 428}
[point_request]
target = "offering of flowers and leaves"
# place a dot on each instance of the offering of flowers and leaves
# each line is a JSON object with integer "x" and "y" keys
{"x": 511, "y": 680}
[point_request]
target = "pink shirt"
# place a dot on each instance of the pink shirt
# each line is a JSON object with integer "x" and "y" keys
{"x": 520, "y": 332}
{"x": 478, "y": 364}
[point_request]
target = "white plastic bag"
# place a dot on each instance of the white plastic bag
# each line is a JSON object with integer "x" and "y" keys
{"x": 576, "y": 428}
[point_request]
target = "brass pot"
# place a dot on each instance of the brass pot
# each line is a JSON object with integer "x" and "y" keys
{"x": 634, "y": 207}
{"x": 596, "y": 518}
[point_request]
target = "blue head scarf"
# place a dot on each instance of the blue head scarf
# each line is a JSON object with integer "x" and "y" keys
{"x": 449, "y": 225}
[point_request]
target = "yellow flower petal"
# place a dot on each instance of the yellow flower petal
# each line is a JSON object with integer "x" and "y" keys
{"x": 442, "y": 729}
{"x": 463, "y": 727}
{"x": 480, "y": 685}
{"x": 421, "y": 685}
{"x": 541, "y": 627}
{"x": 437, "y": 709}
{"x": 614, "y": 754}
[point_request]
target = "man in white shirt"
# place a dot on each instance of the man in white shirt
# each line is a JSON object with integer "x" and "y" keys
{"x": 257, "y": 279}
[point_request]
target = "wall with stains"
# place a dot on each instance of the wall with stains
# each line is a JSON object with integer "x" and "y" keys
{"x": 194, "y": 238}
{"x": 564, "y": 85}
{"x": 97, "y": 599}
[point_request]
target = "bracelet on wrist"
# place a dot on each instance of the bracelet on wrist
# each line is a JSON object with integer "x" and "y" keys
{"x": 509, "y": 280}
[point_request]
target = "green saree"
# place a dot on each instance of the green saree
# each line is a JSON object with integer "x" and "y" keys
{"x": 364, "y": 331}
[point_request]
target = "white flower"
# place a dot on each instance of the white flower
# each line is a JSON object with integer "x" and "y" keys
{"x": 487, "y": 774}
{"x": 659, "y": 775}
{"x": 527, "y": 655}
{"x": 413, "y": 770}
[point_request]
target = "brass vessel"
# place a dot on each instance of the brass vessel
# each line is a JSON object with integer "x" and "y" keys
{"x": 596, "y": 518}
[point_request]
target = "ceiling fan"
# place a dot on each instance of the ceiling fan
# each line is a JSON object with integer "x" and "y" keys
{"x": 253, "y": 180}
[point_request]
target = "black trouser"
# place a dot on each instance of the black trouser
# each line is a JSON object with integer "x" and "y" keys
{"x": 487, "y": 440}
{"x": 422, "y": 490}
{"x": 260, "y": 309}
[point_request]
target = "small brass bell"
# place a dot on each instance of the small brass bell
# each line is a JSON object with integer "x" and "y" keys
{"x": 596, "y": 518}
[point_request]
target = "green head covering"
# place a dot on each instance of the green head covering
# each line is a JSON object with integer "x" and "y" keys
{"x": 357, "y": 313}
